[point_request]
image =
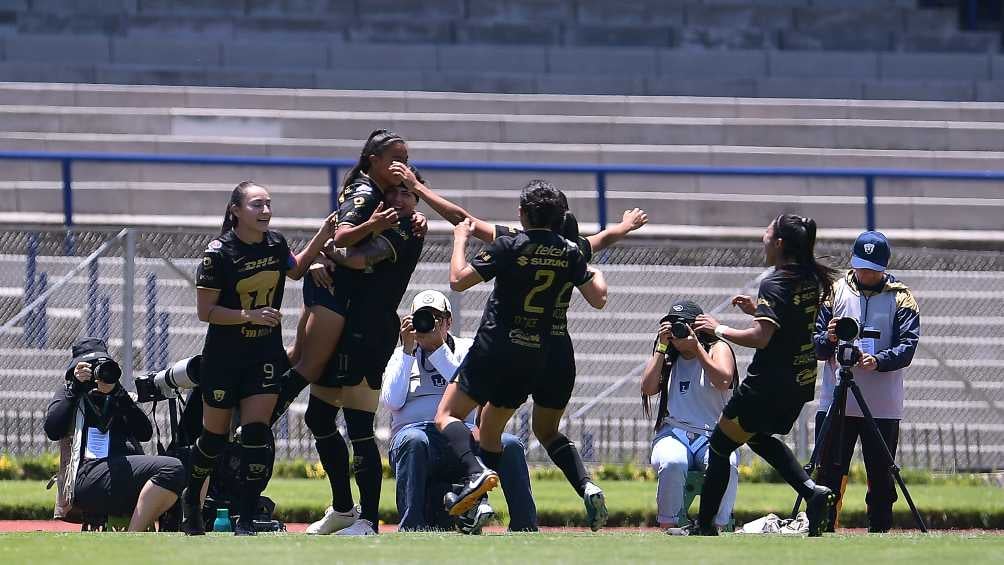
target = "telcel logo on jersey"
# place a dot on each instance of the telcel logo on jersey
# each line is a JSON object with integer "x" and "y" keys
{"x": 258, "y": 264}
{"x": 545, "y": 256}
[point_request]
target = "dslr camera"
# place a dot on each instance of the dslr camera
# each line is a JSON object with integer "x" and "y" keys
{"x": 167, "y": 383}
{"x": 103, "y": 369}
{"x": 679, "y": 328}
{"x": 424, "y": 320}
{"x": 848, "y": 330}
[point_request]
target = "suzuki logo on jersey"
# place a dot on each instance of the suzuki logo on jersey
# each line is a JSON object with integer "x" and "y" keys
{"x": 684, "y": 387}
{"x": 522, "y": 261}
{"x": 544, "y": 256}
{"x": 869, "y": 248}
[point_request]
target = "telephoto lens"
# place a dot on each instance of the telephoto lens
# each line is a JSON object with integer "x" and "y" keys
{"x": 847, "y": 329}
{"x": 423, "y": 320}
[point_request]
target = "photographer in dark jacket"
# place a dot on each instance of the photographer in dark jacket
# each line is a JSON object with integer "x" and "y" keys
{"x": 103, "y": 470}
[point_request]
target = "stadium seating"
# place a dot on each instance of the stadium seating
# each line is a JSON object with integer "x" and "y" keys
{"x": 766, "y": 48}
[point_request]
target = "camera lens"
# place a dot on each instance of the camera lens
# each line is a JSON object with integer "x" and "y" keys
{"x": 680, "y": 330}
{"x": 847, "y": 329}
{"x": 423, "y": 320}
{"x": 106, "y": 371}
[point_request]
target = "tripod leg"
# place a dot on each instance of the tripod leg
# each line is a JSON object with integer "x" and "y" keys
{"x": 893, "y": 468}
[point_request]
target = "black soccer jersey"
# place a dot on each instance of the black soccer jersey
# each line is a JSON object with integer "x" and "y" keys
{"x": 534, "y": 271}
{"x": 358, "y": 201}
{"x": 248, "y": 276}
{"x": 789, "y": 299}
{"x": 559, "y": 327}
{"x": 384, "y": 287}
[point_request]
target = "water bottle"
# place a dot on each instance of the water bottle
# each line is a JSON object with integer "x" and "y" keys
{"x": 222, "y": 522}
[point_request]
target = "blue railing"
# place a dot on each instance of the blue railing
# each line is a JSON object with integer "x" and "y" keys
{"x": 335, "y": 166}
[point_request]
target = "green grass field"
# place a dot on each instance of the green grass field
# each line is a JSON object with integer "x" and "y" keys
{"x": 606, "y": 547}
{"x": 303, "y": 499}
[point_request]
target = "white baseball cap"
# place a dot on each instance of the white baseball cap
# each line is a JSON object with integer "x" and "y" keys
{"x": 431, "y": 299}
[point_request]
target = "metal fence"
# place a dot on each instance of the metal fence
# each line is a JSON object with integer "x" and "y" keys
{"x": 135, "y": 288}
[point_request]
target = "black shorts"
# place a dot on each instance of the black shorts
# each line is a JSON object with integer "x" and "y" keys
{"x": 553, "y": 388}
{"x": 764, "y": 411}
{"x": 224, "y": 383}
{"x": 365, "y": 348}
{"x": 111, "y": 487}
{"x": 314, "y": 295}
{"x": 505, "y": 377}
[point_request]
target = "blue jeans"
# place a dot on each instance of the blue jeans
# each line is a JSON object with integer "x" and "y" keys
{"x": 423, "y": 462}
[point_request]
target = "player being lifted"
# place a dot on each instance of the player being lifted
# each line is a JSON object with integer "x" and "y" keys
{"x": 534, "y": 271}
{"x": 548, "y": 405}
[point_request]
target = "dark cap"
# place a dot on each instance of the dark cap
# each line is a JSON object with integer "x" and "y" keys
{"x": 683, "y": 310}
{"x": 88, "y": 349}
{"x": 871, "y": 251}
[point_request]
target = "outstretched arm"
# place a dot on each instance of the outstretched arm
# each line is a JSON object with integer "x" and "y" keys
{"x": 632, "y": 220}
{"x": 449, "y": 210}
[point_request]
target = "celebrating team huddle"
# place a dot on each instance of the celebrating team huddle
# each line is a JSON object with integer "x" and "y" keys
{"x": 455, "y": 397}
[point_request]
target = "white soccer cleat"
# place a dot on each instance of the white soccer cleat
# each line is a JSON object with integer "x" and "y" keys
{"x": 361, "y": 527}
{"x": 333, "y": 521}
{"x": 596, "y": 506}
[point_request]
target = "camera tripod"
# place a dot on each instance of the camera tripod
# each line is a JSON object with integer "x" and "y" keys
{"x": 848, "y": 356}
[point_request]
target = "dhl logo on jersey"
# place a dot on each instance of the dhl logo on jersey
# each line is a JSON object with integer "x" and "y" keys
{"x": 544, "y": 256}
{"x": 258, "y": 264}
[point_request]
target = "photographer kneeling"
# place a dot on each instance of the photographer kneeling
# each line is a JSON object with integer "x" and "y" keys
{"x": 414, "y": 382}
{"x": 107, "y": 472}
{"x": 878, "y": 302}
{"x": 694, "y": 376}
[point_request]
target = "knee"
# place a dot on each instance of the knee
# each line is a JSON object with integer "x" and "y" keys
{"x": 320, "y": 418}
{"x": 545, "y": 434}
{"x": 411, "y": 440}
{"x": 359, "y": 424}
{"x": 670, "y": 468}
{"x": 211, "y": 444}
{"x": 171, "y": 475}
{"x": 512, "y": 448}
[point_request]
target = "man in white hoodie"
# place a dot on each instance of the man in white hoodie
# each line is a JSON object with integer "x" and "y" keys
{"x": 413, "y": 384}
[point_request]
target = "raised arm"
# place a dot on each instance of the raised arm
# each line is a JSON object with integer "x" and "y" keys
{"x": 632, "y": 220}
{"x": 447, "y": 209}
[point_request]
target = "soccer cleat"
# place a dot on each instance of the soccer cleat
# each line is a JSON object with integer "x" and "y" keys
{"x": 596, "y": 506}
{"x": 333, "y": 521}
{"x": 817, "y": 509}
{"x": 361, "y": 527}
{"x": 472, "y": 521}
{"x": 244, "y": 529}
{"x": 192, "y": 521}
{"x": 702, "y": 530}
{"x": 473, "y": 489}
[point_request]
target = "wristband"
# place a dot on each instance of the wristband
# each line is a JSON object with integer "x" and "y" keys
{"x": 661, "y": 348}
{"x": 720, "y": 331}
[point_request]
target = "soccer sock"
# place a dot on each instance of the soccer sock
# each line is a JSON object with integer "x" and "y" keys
{"x": 781, "y": 458}
{"x": 491, "y": 459}
{"x": 204, "y": 453}
{"x": 292, "y": 384}
{"x": 257, "y": 457}
{"x": 460, "y": 441}
{"x": 716, "y": 477}
{"x": 564, "y": 454}
{"x": 366, "y": 464}
{"x": 331, "y": 450}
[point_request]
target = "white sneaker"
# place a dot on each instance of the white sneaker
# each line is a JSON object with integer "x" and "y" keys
{"x": 596, "y": 506}
{"x": 361, "y": 527}
{"x": 334, "y": 521}
{"x": 473, "y": 520}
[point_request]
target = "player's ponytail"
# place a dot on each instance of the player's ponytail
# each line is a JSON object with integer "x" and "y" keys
{"x": 236, "y": 197}
{"x": 378, "y": 141}
{"x": 798, "y": 244}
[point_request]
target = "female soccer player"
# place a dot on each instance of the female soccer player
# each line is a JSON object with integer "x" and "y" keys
{"x": 353, "y": 377}
{"x": 240, "y": 284}
{"x": 782, "y": 376}
{"x": 508, "y": 360}
{"x": 550, "y": 402}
